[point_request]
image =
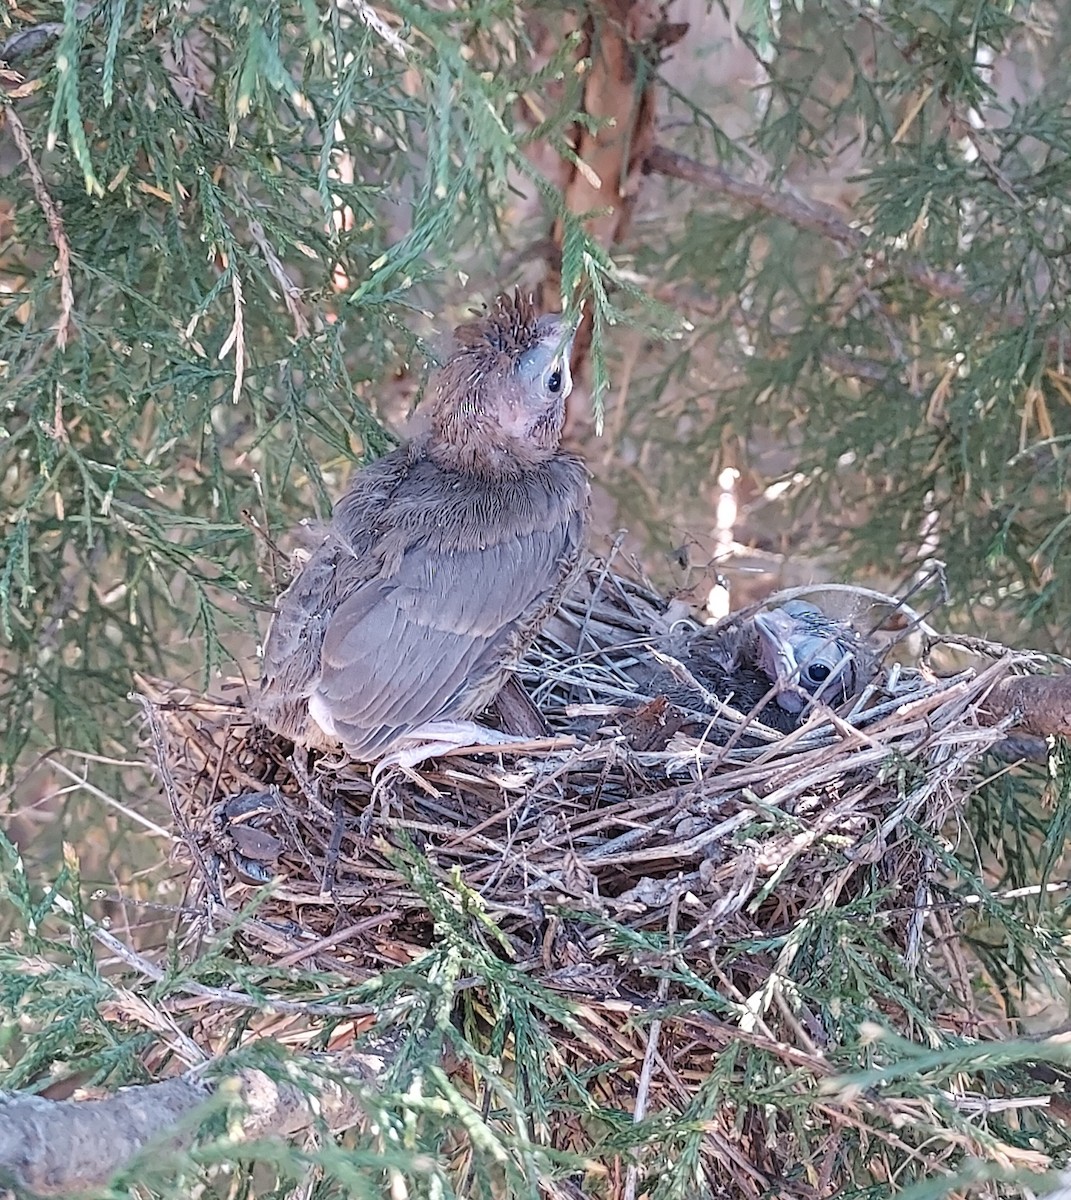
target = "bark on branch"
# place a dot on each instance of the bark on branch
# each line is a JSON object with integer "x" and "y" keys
{"x": 1040, "y": 703}
{"x": 50, "y": 1147}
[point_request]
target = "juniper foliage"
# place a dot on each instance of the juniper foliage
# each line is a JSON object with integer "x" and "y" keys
{"x": 891, "y": 299}
{"x": 221, "y": 223}
{"x": 253, "y": 206}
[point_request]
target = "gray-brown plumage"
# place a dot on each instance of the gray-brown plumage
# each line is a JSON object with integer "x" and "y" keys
{"x": 775, "y": 664}
{"x": 442, "y": 560}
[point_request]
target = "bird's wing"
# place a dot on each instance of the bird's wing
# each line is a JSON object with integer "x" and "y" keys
{"x": 292, "y": 650}
{"x": 294, "y": 643}
{"x": 419, "y": 641}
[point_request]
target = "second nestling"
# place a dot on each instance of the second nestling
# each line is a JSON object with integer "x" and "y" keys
{"x": 776, "y": 665}
{"x": 442, "y": 560}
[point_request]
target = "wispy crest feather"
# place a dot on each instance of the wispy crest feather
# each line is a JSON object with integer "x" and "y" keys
{"x": 510, "y": 327}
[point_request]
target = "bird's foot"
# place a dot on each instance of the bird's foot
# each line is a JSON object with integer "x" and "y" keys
{"x": 386, "y": 799}
{"x": 441, "y": 737}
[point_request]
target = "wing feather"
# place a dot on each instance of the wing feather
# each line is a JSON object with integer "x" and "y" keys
{"x": 425, "y": 591}
{"x": 407, "y": 650}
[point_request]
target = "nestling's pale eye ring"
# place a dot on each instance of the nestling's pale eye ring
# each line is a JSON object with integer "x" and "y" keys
{"x": 817, "y": 672}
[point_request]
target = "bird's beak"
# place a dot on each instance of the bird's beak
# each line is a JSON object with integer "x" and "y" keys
{"x": 567, "y": 333}
{"x": 779, "y": 659}
{"x": 568, "y": 323}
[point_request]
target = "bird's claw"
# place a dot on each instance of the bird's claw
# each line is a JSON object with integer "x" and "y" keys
{"x": 435, "y": 738}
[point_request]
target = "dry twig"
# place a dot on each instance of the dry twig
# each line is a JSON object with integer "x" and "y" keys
{"x": 56, "y": 231}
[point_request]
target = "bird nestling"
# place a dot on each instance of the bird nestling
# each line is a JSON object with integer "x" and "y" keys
{"x": 442, "y": 560}
{"x": 777, "y": 664}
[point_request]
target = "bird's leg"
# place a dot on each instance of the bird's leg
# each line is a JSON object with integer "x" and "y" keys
{"x": 436, "y": 737}
{"x": 386, "y": 799}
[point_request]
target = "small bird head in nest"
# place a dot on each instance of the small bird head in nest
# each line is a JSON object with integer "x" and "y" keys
{"x": 808, "y": 654}
{"x": 502, "y": 392}
{"x": 775, "y": 664}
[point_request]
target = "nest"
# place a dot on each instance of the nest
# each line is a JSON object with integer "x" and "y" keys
{"x": 612, "y": 860}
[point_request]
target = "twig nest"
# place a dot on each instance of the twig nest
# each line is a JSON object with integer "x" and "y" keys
{"x": 624, "y": 815}
{"x": 690, "y": 913}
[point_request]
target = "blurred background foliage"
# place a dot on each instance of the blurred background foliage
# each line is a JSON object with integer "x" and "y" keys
{"x": 226, "y": 229}
{"x": 823, "y": 248}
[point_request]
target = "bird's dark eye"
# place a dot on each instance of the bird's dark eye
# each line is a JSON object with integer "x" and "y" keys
{"x": 554, "y": 381}
{"x": 817, "y": 672}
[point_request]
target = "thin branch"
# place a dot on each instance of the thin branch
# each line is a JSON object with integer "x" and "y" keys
{"x": 56, "y": 232}
{"x": 804, "y": 213}
{"x": 131, "y": 814}
{"x": 811, "y": 215}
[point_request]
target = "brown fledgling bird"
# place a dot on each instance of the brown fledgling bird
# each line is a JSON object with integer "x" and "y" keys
{"x": 777, "y": 664}
{"x": 442, "y": 560}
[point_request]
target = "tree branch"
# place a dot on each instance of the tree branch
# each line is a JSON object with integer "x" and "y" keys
{"x": 53, "y": 1147}
{"x": 1042, "y": 702}
{"x": 813, "y": 216}
{"x": 56, "y": 232}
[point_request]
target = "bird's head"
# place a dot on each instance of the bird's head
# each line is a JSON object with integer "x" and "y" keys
{"x": 809, "y": 655}
{"x": 500, "y": 397}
